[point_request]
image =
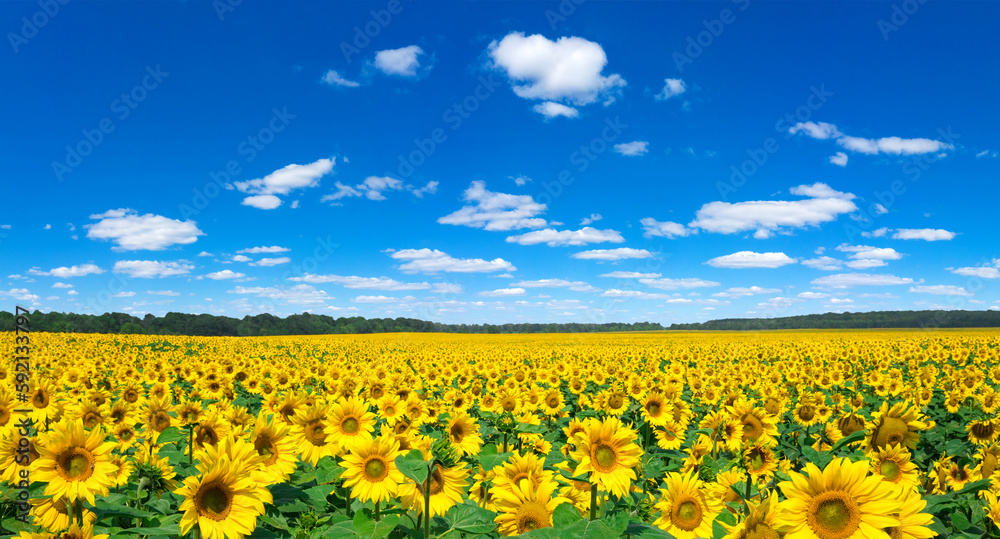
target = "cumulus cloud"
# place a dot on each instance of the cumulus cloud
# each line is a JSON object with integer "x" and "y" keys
{"x": 568, "y": 70}
{"x": 551, "y": 109}
{"x": 634, "y": 148}
{"x": 554, "y": 238}
{"x": 866, "y": 263}
{"x": 64, "y": 272}
{"x": 666, "y": 229}
{"x": 750, "y": 259}
{"x": 503, "y": 292}
{"x": 671, "y": 88}
{"x": 768, "y": 216}
{"x": 742, "y": 292}
{"x": 839, "y": 159}
{"x": 263, "y": 249}
{"x": 940, "y": 290}
{"x": 402, "y": 62}
{"x": 576, "y": 286}
{"x": 594, "y": 217}
{"x": 886, "y": 145}
{"x": 225, "y": 274}
{"x": 302, "y": 294}
{"x": 382, "y": 299}
{"x": 678, "y": 284}
{"x": 825, "y": 263}
{"x": 283, "y": 181}
{"x": 332, "y": 78}
{"x": 271, "y": 261}
{"x": 620, "y": 253}
{"x": 630, "y": 275}
{"x": 845, "y": 280}
{"x": 634, "y": 294}
{"x": 134, "y": 232}
{"x": 148, "y": 269}
{"x": 926, "y": 234}
{"x": 434, "y": 261}
{"x": 361, "y": 283}
{"x": 496, "y": 211}
{"x": 373, "y": 188}
{"x": 863, "y": 252}
{"x": 983, "y": 272}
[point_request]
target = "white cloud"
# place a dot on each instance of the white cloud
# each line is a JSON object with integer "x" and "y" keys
{"x": 361, "y": 283}
{"x": 860, "y": 252}
{"x": 983, "y": 272}
{"x": 678, "y": 284}
{"x": 630, "y": 275}
{"x": 866, "y": 263}
{"x": 265, "y": 262}
{"x": 926, "y": 234}
{"x": 877, "y": 233}
{"x": 64, "y": 272}
{"x": 241, "y": 258}
{"x": 204, "y": 253}
{"x": 433, "y": 261}
{"x": 987, "y": 153}
{"x": 839, "y": 159}
{"x": 887, "y": 145}
{"x": 373, "y": 188}
{"x": 825, "y": 263}
{"x": 551, "y": 109}
{"x": 225, "y": 274}
{"x": 263, "y": 249}
{"x": 671, "y": 88}
{"x": 666, "y": 229}
{"x": 148, "y": 269}
{"x": 568, "y": 69}
{"x": 381, "y": 299}
{"x": 634, "y": 148}
{"x": 634, "y": 294}
{"x": 503, "y": 293}
{"x": 302, "y": 294}
{"x": 594, "y": 217}
{"x": 403, "y": 62}
{"x": 282, "y": 182}
{"x": 769, "y": 216}
{"x": 123, "y": 295}
{"x": 742, "y": 292}
{"x": 941, "y": 290}
{"x": 520, "y": 180}
{"x": 133, "y": 232}
{"x": 620, "y": 253}
{"x": 750, "y": 259}
{"x": 496, "y": 211}
{"x": 333, "y": 78}
{"x": 812, "y": 295}
{"x": 163, "y": 292}
{"x": 554, "y": 238}
{"x": 447, "y": 288}
{"x": 576, "y": 286}
{"x": 881, "y": 210}
{"x": 430, "y": 188}
{"x": 61, "y": 285}
{"x": 844, "y": 280}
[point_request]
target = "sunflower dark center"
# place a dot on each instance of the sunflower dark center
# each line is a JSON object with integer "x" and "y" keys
{"x": 76, "y": 464}
{"x": 833, "y": 515}
{"x": 889, "y": 469}
{"x": 687, "y": 515}
{"x": 40, "y": 399}
{"x": 531, "y": 516}
{"x": 375, "y": 470}
{"x": 215, "y": 501}
{"x": 605, "y": 457}
{"x": 892, "y": 432}
{"x": 350, "y": 425}
{"x": 266, "y": 447}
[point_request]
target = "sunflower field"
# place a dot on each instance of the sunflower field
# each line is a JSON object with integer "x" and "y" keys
{"x": 808, "y": 434}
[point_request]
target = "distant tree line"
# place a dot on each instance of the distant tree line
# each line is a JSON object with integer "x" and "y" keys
{"x": 267, "y": 324}
{"x": 869, "y": 320}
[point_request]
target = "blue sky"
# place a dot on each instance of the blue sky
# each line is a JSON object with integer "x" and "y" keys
{"x": 500, "y": 161}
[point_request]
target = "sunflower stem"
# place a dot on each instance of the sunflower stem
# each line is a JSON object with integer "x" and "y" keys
{"x": 378, "y": 512}
{"x": 79, "y": 513}
{"x": 504, "y": 443}
{"x": 746, "y": 496}
{"x": 427, "y": 495}
{"x": 347, "y": 495}
{"x": 190, "y": 445}
{"x": 593, "y": 501}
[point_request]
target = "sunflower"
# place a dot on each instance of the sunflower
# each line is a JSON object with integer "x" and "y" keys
{"x": 669, "y": 436}
{"x": 759, "y": 524}
{"x": 524, "y": 506}
{"x": 722, "y": 488}
{"x": 270, "y": 437}
{"x": 956, "y": 476}
{"x": 75, "y": 464}
{"x": 987, "y": 461}
{"x": 370, "y": 468}
{"x": 53, "y": 514}
{"x": 157, "y": 470}
{"x": 654, "y": 409}
{"x": 758, "y": 424}
{"x": 553, "y": 402}
{"x": 896, "y": 425}
{"x": 447, "y": 487}
{"x": 221, "y": 501}
{"x": 912, "y": 522}
{"x": 520, "y": 467}
{"x": 894, "y": 465}
{"x": 686, "y": 509}
{"x": 390, "y": 408}
{"x": 983, "y": 432}
{"x": 348, "y": 419}
{"x": 11, "y": 459}
{"x": 463, "y": 432}
{"x": 805, "y": 413}
{"x": 188, "y": 411}
{"x": 212, "y": 428}
{"x": 759, "y": 460}
{"x": 73, "y": 532}
{"x": 839, "y": 502}
{"x": 156, "y": 414}
{"x": 607, "y": 451}
{"x": 992, "y": 507}
{"x": 480, "y": 492}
